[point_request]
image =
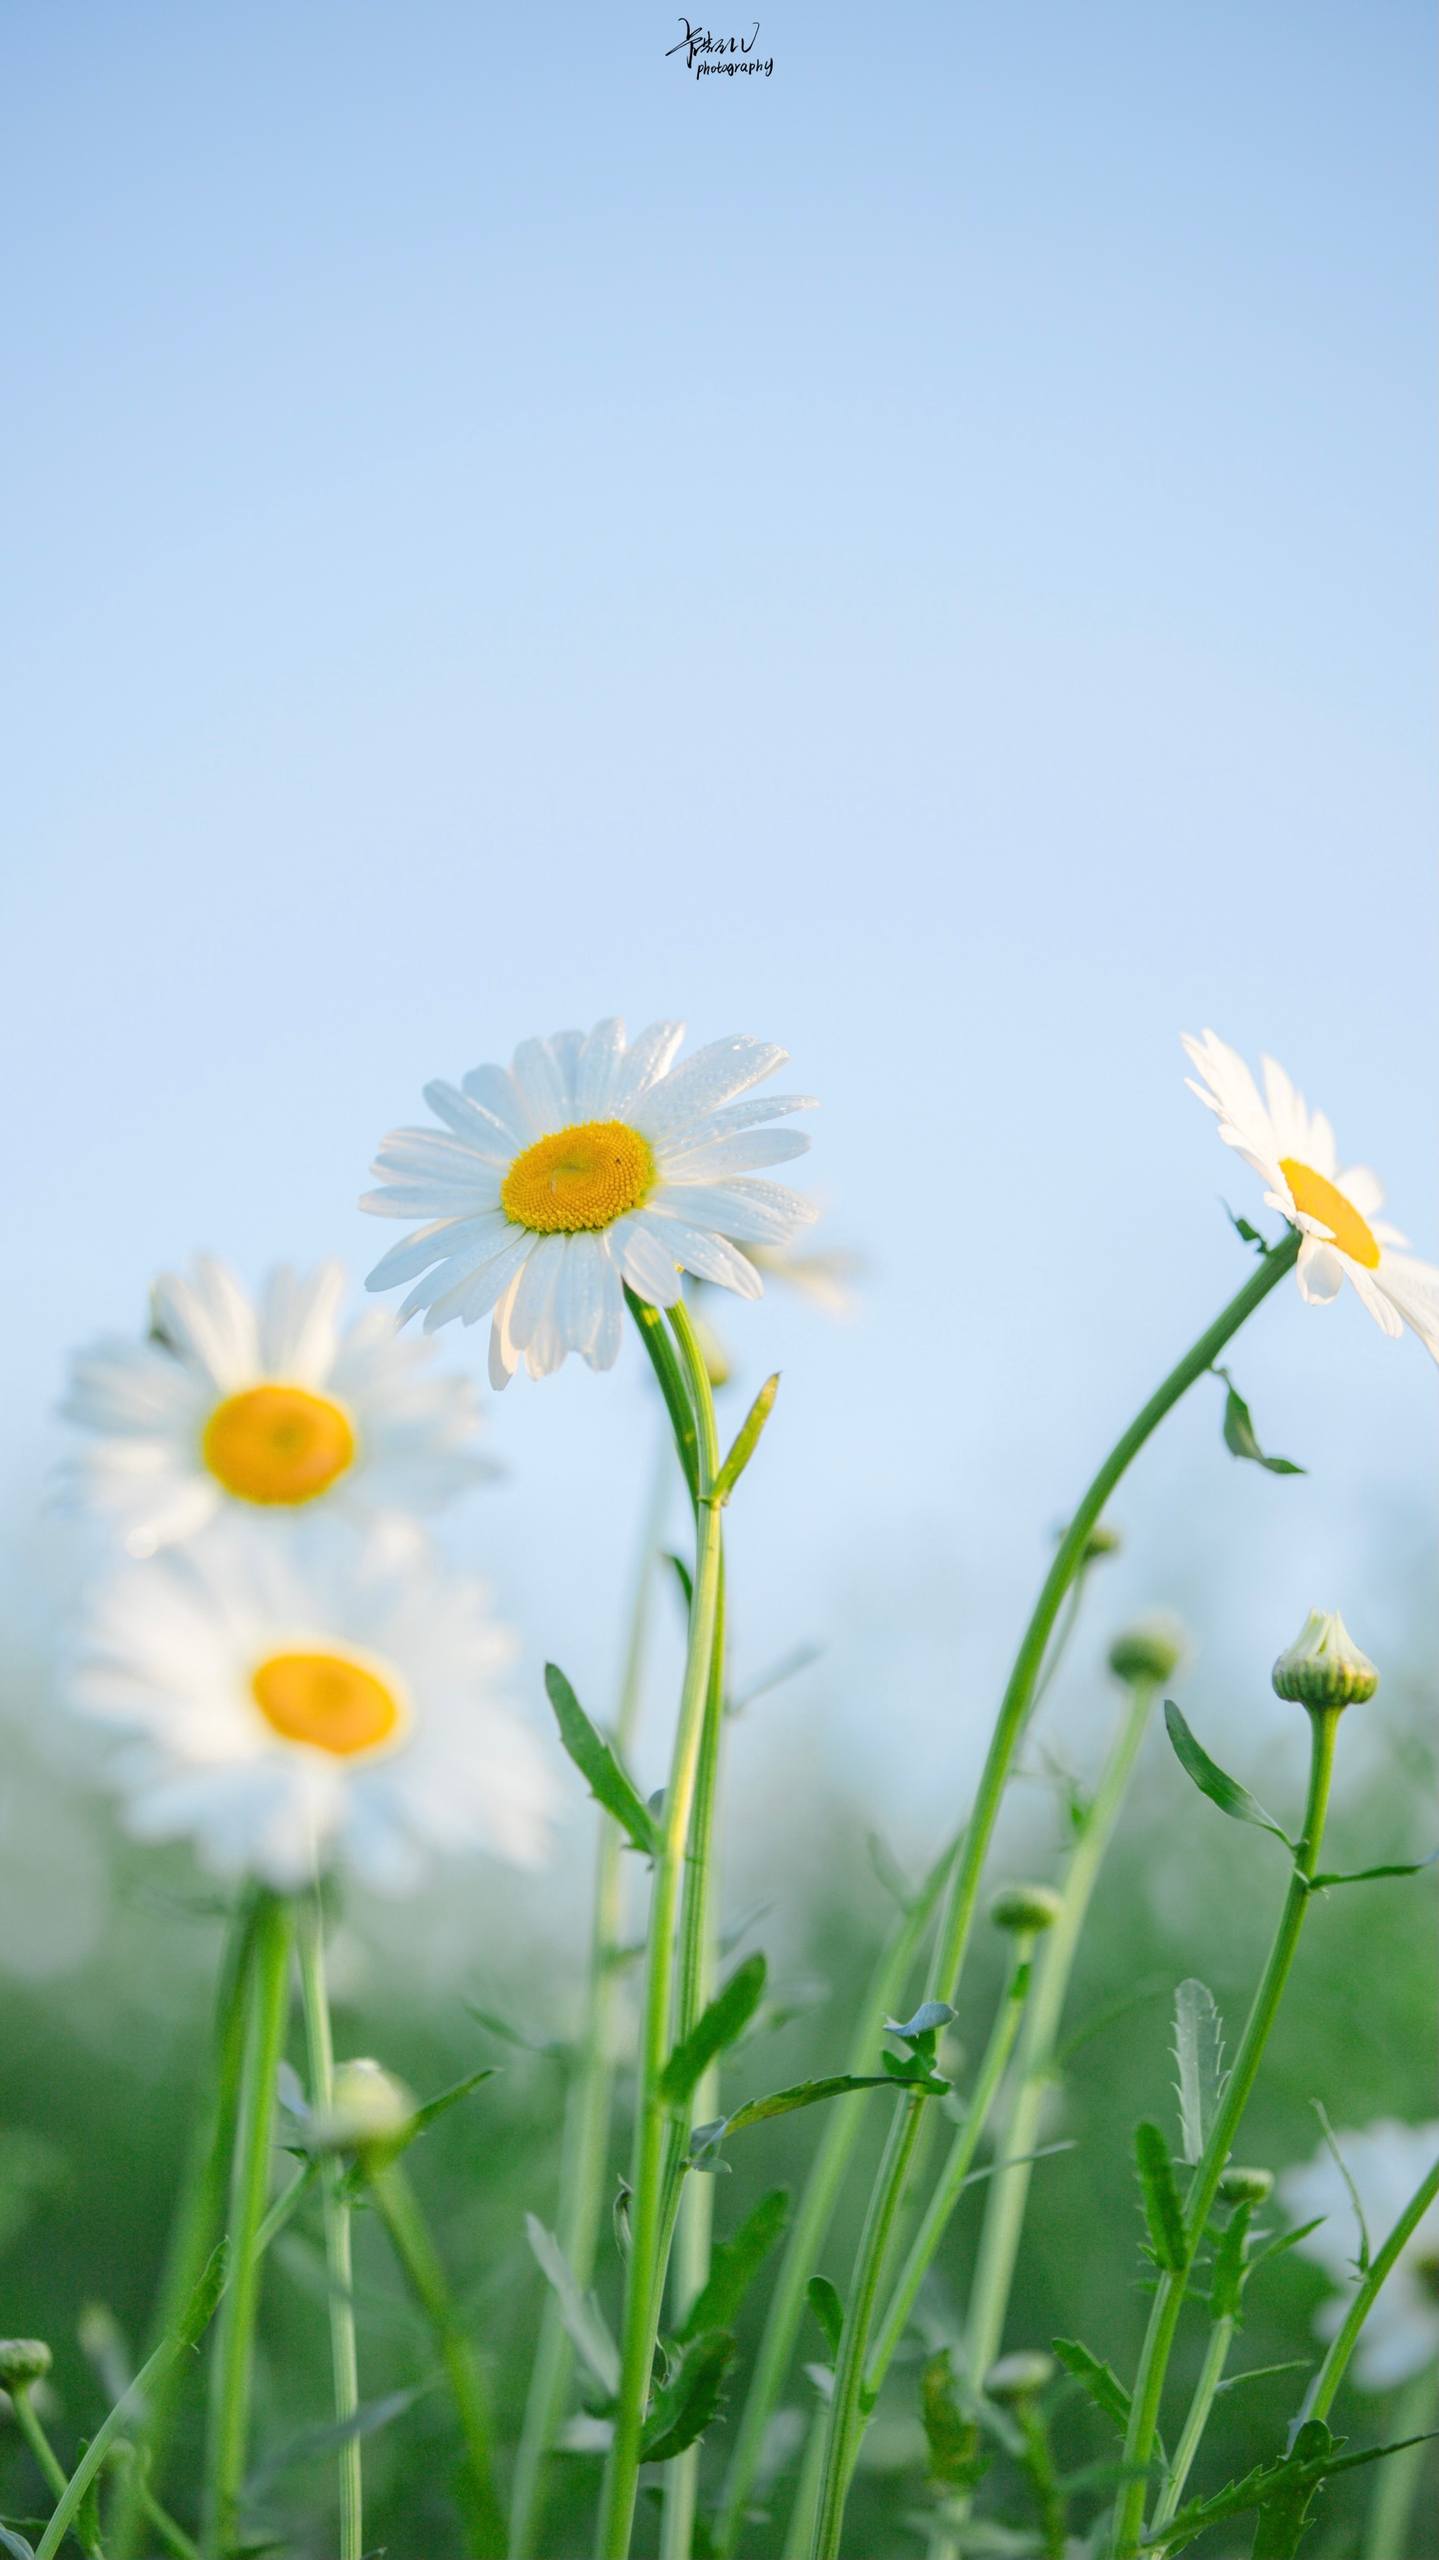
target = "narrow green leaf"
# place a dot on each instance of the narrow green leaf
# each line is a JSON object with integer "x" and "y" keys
{"x": 1331, "y": 2145}
{"x": 1214, "y": 1782}
{"x": 1265, "y": 2372}
{"x": 204, "y": 2302}
{"x": 824, "y": 2302}
{"x": 928, "y": 2018}
{"x": 735, "y": 2264}
{"x": 317, "y": 2444}
{"x": 555, "y": 2050}
{"x": 691, "y": 2397}
{"x": 1163, "y": 2208}
{"x": 783, "y": 2102}
{"x": 683, "y": 1577}
{"x": 1246, "y": 1233}
{"x": 1240, "y": 1437}
{"x": 1199, "y": 2059}
{"x": 583, "y": 2320}
{"x": 746, "y": 1441}
{"x": 717, "y": 2026}
{"x": 15, "y": 2544}
{"x": 434, "y": 2108}
{"x": 598, "y": 1764}
{"x": 1367, "y": 1875}
{"x": 1100, "y": 2381}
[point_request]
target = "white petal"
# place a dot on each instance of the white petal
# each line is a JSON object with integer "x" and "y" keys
{"x": 469, "y": 1120}
{"x": 494, "y": 1090}
{"x": 717, "y": 1159}
{"x": 644, "y": 1062}
{"x": 477, "y": 1293}
{"x": 1363, "y": 1186}
{"x": 599, "y": 1066}
{"x": 424, "y": 1155}
{"x": 604, "y": 1349}
{"x": 751, "y": 1212}
{"x": 535, "y": 1292}
{"x": 708, "y": 1256}
{"x": 211, "y": 1321}
{"x": 648, "y": 1263}
{"x": 1391, "y": 1308}
{"x": 542, "y": 1084}
{"x": 447, "y": 1235}
{"x": 713, "y": 1076}
{"x": 1319, "y": 1271}
{"x": 297, "y": 1323}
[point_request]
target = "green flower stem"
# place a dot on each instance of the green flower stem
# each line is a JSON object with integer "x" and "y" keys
{"x": 113, "y": 2430}
{"x": 648, "y": 2179}
{"x": 1140, "y": 2439}
{"x": 1389, "y": 2532}
{"x": 200, "y": 2218}
{"x": 1008, "y": 2196}
{"x": 47, "y": 2461}
{"x": 584, "y": 2155}
{"x": 230, "y": 2387}
{"x": 806, "y": 2496}
{"x": 951, "y": 2182}
{"x": 694, "y": 2230}
{"x": 774, "y": 2353}
{"x": 399, "y": 2210}
{"x": 1319, "y": 2399}
{"x": 1014, "y": 1709}
{"x": 1211, "y": 2374}
{"x": 1038, "y": 2463}
{"x": 344, "y": 2351}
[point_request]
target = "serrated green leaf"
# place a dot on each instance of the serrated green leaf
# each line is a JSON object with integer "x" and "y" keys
{"x": 1226, "y": 2284}
{"x": 690, "y": 2398}
{"x": 584, "y": 2322}
{"x": 1214, "y": 1782}
{"x": 735, "y": 2264}
{"x": 1243, "y": 1229}
{"x": 958, "y": 2458}
{"x": 598, "y": 1764}
{"x": 1099, "y": 2379}
{"x": 1163, "y": 2208}
{"x": 1240, "y": 1437}
{"x": 717, "y": 2026}
{"x": 824, "y": 2302}
{"x": 1199, "y": 2060}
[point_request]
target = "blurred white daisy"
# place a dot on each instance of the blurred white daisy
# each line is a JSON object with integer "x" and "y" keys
{"x": 1292, "y": 1150}
{"x": 588, "y": 1163}
{"x": 289, "y": 1705}
{"x": 1386, "y": 2161}
{"x": 270, "y": 1404}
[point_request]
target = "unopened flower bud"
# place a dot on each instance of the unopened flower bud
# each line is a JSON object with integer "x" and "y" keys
{"x": 1324, "y": 1668}
{"x": 1102, "y": 1541}
{"x": 370, "y": 2113}
{"x": 1025, "y": 1907}
{"x": 718, "y": 1364}
{"x": 1246, "y": 2186}
{"x": 1021, "y": 2376}
{"x": 23, "y": 2361}
{"x": 1152, "y": 1649}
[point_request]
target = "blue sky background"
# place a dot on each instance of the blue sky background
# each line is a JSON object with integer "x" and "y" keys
{"x": 926, "y": 558}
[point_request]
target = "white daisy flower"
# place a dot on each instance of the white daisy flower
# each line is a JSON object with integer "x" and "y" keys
{"x": 267, "y": 1404}
{"x": 1292, "y": 1150}
{"x": 587, "y": 1164}
{"x": 291, "y": 1705}
{"x": 1386, "y": 2161}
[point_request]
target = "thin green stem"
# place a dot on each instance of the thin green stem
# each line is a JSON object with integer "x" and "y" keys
{"x": 200, "y": 2218}
{"x": 108, "y": 2435}
{"x": 1014, "y": 1710}
{"x": 694, "y": 2229}
{"x": 847, "y": 2414}
{"x": 1211, "y": 2374}
{"x": 334, "y": 2191}
{"x": 1141, "y": 2436}
{"x": 231, "y": 2378}
{"x": 1319, "y": 2399}
{"x": 584, "y": 2153}
{"x": 951, "y": 2182}
{"x": 47, "y": 2461}
{"x": 1389, "y": 2532}
{"x": 399, "y": 2210}
{"x": 775, "y": 2351}
{"x": 645, "y": 2273}
{"x": 1008, "y": 2196}
{"x": 1037, "y": 2461}
{"x": 806, "y": 2496}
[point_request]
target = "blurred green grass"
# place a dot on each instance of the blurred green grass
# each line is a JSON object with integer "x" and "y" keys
{"x": 103, "y": 2065}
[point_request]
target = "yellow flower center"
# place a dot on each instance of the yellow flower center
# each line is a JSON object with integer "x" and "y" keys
{"x": 581, "y": 1178}
{"x": 278, "y": 1444}
{"x": 326, "y": 1700}
{"x": 1319, "y": 1198}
